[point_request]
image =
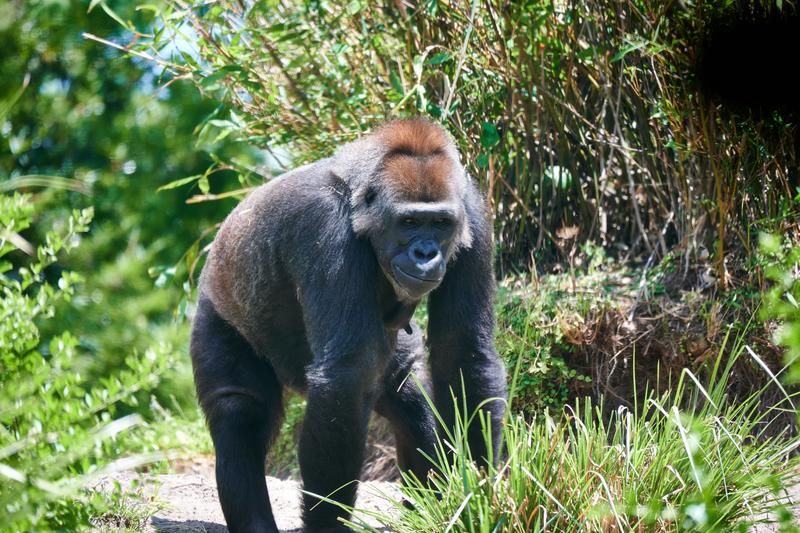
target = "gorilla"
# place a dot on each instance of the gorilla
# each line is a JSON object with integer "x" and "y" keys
{"x": 311, "y": 284}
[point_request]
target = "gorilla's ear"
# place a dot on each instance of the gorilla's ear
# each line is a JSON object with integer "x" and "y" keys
{"x": 369, "y": 196}
{"x": 356, "y": 163}
{"x": 366, "y": 212}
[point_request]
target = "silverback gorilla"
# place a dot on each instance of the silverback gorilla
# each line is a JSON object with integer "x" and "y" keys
{"x": 311, "y": 284}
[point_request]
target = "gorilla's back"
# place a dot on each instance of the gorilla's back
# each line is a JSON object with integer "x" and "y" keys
{"x": 249, "y": 276}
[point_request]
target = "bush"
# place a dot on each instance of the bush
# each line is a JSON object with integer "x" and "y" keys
{"x": 531, "y": 337}
{"x": 57, "y": 431}
{"x": 684, "y": 461}
{"x": 578, "y": 117}
{"x": 782, "y": 300}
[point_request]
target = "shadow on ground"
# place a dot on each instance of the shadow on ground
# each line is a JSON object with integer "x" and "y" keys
{"x": 165, "y": 525}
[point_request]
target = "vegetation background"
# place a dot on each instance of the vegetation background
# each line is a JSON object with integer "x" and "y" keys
{"x": 641, "y": 162}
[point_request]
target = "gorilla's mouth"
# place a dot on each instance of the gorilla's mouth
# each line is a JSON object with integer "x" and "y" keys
{"x": 413, "y": 285}
{"x": 431, "y": 279}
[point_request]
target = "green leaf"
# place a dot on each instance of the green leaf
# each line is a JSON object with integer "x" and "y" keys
{"x": 111, "y": 13}
{"x": 434, "y": 110}
{"x": 627, "y": 50}
{"x": 179, "y": 182}
{"x": 489, "y": 135}
{"x": 166, "y": 275}
{"x": 297, "y": 62}
{"x": 152, "y": 8}
{"x": 770, "y": 244}
{"x": 397, "y": 85}
{"x": 438, "y": 59}
{"x": 203, "y": 184}
{"x": 223, "y": 124}
{"x": 219, "y": 74}
{"x": 561, "y": 176}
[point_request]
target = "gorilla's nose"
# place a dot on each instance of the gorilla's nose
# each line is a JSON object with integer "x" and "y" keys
{"x": 425, "y": 254}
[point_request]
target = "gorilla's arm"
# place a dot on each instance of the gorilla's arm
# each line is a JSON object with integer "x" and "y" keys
{"x": 336, "y": 281}
{"x": 460, "y": 336}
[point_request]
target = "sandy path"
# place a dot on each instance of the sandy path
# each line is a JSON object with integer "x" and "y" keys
{"x": 189, "y": 502}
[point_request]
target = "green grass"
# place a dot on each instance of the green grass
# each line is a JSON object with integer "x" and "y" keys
{"x": 688, "y": 461}
{"x": 126, "y": 509}
{"x": 532, "y": 320}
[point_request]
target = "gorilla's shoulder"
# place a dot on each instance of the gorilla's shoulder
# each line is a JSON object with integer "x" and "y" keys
{"x": 305, "y": 190}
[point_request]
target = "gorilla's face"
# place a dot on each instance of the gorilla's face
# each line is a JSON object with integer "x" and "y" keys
{"x": 415, "y": 246}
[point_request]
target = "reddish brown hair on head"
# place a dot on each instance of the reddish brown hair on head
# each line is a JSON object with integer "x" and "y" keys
{"x": 416, "y": 161}
{"x": 415, "y": 136}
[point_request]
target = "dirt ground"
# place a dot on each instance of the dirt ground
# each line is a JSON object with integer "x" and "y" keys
{"x": 187, "y": 501}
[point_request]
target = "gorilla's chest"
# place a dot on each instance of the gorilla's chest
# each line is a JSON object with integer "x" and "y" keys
{"x": 279, "y": 334}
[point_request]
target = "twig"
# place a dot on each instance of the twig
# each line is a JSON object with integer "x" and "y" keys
{"x": 137, "y": 53}
{"x": 461, "y": 55}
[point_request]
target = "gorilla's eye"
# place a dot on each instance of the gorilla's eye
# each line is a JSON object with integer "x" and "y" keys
{"x": 442, "y": 222}
{"x": 409, "y": 222}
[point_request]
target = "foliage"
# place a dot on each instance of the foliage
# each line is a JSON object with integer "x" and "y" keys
{"x": 781, "y": 300}
{"x": 657, "y": 467}
{"x": 57, "y": 431}
{"x": 580, "y": 118}
{"x": 583, "y": 123}
{"x": 282, "y": 461}
{"x": 531, "y": 339}
{"x": 80, "y": 125}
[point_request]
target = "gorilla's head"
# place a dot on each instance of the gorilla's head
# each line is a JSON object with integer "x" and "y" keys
{"x": 418, "y": 240}
{"x": 408, "y": 191}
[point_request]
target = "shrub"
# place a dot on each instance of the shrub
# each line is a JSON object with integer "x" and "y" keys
{"x": 782, "y": 300}
{"x": 57, "y": 431}
{"x": 577, "y": 117}
{"x": 684, "y": 461}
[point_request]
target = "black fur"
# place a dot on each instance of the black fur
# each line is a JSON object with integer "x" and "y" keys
{"x": 292, "y": 296}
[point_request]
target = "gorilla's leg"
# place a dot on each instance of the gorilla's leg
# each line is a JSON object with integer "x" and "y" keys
{"x": 331, "y": 450}
{"x": 242, "y": 401}
{"x": 482, "y": 378}
{"x": 404, "y": 405}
